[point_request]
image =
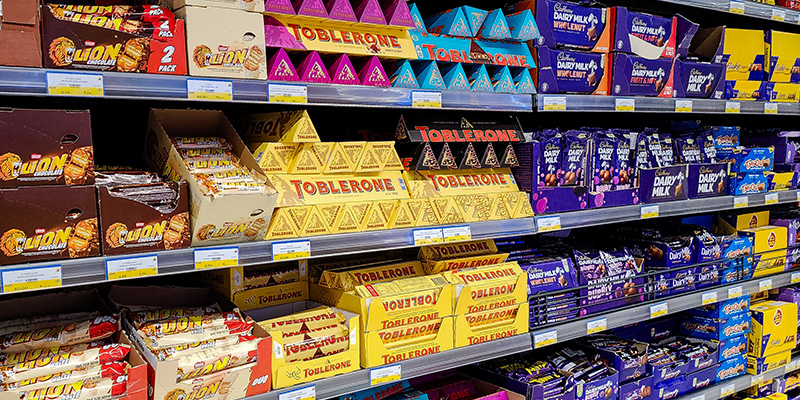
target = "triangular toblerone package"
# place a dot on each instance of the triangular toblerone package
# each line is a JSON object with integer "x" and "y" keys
{"x": 298, "y": 216}
{"x": 331, "y": 214}
{"x": 369, "y": 11}
{"x": 311, "y": 69}
{"x": 370, "y": 161}
{"x": 312, "y": 158}
{"x": 513, "y": 201}
{"x": 502, "y": 81}
{"x": 387, "y": 207}
{"x": 521, "y": 26}
{"x": 312, "y": 8}
{"x": 523, "y": 83}
{"x": 372, "y": 73}
{"x": 428, "y": 75}
{"x": 494, "y": 26}
{"x": 499, "y": 208}
{"x": 315, "y": 225}
{"x": 468, "y": 158}
{"x": 525, "y": 209}
{"x": 280, "y": 68}
{"x": 279, "y": 6}
{"x": 353, "y": 151}
{"x": 479, "y": 80}
{"x": 509, "y": 158}
{"x": 419, "y": 23}
{"x": 276, "y": 158}
{"x": 376, "y": 220}
{"x": 338, "y": 162}
{"x": 343, "y": 72}
{"x": 347, "y": 222}
{"x": 475, "y": 17}
{"x": 398, "y": 14}
{"x": 447, "y": 210}
{"x": 359, "y": 210}
{"x": 280, "y": 227}
{"x": 489, "y": 158}
{"x": 402, "y": 216}
{"x": 423, "y": 212}
{"x": 452, "y": 23}
{"x": 446, "y": 158}
{"x": 387, "y": 155}
{"x": 424, "y": 158}
{"x": 454, "y": 77}
{"x": 474, "y": 207}
{"x": 341, "y": 10}
{"x": 403, "y": 75}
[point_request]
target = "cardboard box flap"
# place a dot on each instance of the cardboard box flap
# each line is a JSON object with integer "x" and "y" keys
{"x": 707, "y": 43}
{"x": 22, "y": 12}
{"x": 164, "y": 297}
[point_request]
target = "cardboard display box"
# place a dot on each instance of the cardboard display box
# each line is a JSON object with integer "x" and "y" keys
{"x": 20, "y": 32}
{"x": 227, "y": 219}
{"x": 229, "y": 282}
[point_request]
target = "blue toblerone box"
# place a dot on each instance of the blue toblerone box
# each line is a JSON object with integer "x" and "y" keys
{"x": 494, "y": 26}
{"x": 403, "y": 76}
{"x": 428, "y": 75}
{"x": 522, "y": 81}
{"x": 454, "y": 76}
{"x": 479, "y": 80}
{"x": 502, "y": 81}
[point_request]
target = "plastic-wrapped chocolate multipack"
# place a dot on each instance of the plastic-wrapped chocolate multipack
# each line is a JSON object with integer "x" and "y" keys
{"x": 314, "y": 333}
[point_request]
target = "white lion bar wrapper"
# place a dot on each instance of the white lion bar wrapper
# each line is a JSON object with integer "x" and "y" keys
{"x": 97, "y": 388}
{"x": 188, "y": 329}
{"x": 30, "y": 355}
{"x": 213, "y": 360}
{"x": 108, "y": 370}
{"x": 162, "y": 314}
{"x": 63, "y": 362}
{"x": 181, "y": 350}
{"x": 85, "y": 331}
{"x": 44, "y": 321}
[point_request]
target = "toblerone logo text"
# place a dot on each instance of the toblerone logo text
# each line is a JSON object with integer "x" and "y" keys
{"x": 309, "y": 372}
{"x": 410, "y": 332}
{"x": 460, "y": 249}
{"x": 468, "y": 135}
{"x": 405, "y": 303}
{"x": 456, "y": 181}
{"x": 304, "y": 33}
{"x": 342, "y": 186}
{"x": 384, "y": 274}
{"x": 493, "y": 336}
{"x": 486, "y": 275}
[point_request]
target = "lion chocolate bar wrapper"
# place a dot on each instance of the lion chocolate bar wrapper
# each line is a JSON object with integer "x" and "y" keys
{"x": 80, "y": 332}
{"x": 149, "y": 21}
{"x": 181, "y": 350}
{"x": 188, "y": 329}
{"x": 44, "y": 321}
{"x": 63, "y": 362}
{"x": 110, "y": 370}
{"x": 32, "y": 355}
{"x": 216, "y": 359}
{"x": 138, "y": 318}
{"x": 95, "y": 388}
{"x": 200, "y": 142}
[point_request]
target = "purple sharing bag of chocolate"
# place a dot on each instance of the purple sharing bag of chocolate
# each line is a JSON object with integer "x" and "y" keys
{"x": 604, "y": 162}
{"x": 551, "y": 160}
{"x": 667, "y": 151}
{"x": 624, "y": 160}
{"x": 574, "y": 158}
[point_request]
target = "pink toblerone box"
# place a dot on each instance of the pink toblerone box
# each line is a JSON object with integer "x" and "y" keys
{"x": 398, "y": 14}
{"x": 280, "y": 68}
{"x": 279, "y": 6}
{"x": 373, "y": 74}
{"x": 312, "y": 8}
{"x": 343, "y": 72}
{"x": 341, "y": 10}
{"x": 311, "y": 69}
{"x": 369, "y": 11}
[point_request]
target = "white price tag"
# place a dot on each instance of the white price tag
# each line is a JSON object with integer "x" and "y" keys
{"x": 287, "y": 93}
{"x": 625, "y": 104}
{"x": 23, "y": 279}
{"x": 385, "y": 374}
{"x": 650, "y": 211}
{"x": 596, "y": 325}
{"x": 304, "y": 393}
{"x": 426, "y": 99}
{"x": 709, "y": 297}
{"x": 131, "y": 267}
{"x": 740, "y": 202}
{"x": 764, "y": 284}
{"x": 699, "y": 397}
{"x": 736, "y": 7}
{"x": 424, "y": 237}
{"x": 683, "y": 106}
{"x": 756, "y": 379}
{"x": 735, "y": 291}
{"x": 792, "y": 366}
{"x": 770, "y": 108}
{"x": 75, "y": 84}
{"x": 457, "y": 233}
{"x": 207, "y": 89}
{"x": 795, "y": 277}
{"x": 548, "y": 224}
{"x": 216, "y": 258}
{"x": 771, "y": 198}
{"x": 733, "y": 107}
{"x": 727, "y": 390}
{"x": 554, "y": 103}
{"x": 778, "y": 14}
{"x": 658, "y": 310}
{"x": 797, "y": 195}
{"x": 291, "y": 249}
{"x": 545, "y": 338}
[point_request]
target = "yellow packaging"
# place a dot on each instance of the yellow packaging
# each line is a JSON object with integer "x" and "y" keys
{"x": 285, "y": 127}
{"x": 274, "y": 158}
{"x": 387, "y": 155}
{"x": 780, "y": 181}
{"x": 766, "y": 238}
{"x": 312, "y": 158}
{"x": 743, "y": 47}
{"x": 374, "y": 352}
{"x": 402, "y": 216}
{"x": 525, "y": 209}
{"x": 783, "y": 92}
{"x": 385, "y": 208}
{"x": 422, "y": 184}
{"x": 403, "y": 287}
{"x": 375, "y": 220}
{"x": 784, "y": 49}
{"x": 390, "y": 311}
{"x": 748, "y": 90}
{"x": 424, "y": 214}
{"x": 280, "y": 227}
{"x": 353, "y": 151}
{"x": 769, "y": 263}
{"x": 315, "y": 225}
{"x": 508, "y": 271}
{"x": 338, "y": 161}
{"x": 360, "y": 210}
{"x": 296, "y": 190}
{"x": 435, "y": 267}
{"x": 405, "y": 335}
{"x": 447, "y": 211}
{"x": 491, "y": 324}
{"x": 347, "y": 222}
{"x": 729, "y": 224}
{"x": 490, "y": 295}
{"x": 756, "y": 365}
{"x": 229, "y": 282}
{"x": 499, "y": 208}
{"x": 298, "y": 216}
{"x": 773, "y": 328}
{"x": 475, "y": 207}
{"x": 331, "y": 214}
{"x": 447, "y": 251}
{"x": 369, "y": 161}
{"x": 352, "y": 277}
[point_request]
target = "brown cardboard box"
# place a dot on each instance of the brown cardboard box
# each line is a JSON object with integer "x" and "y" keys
{"x": 20, "y": 38}
{"x": 70, "y": 302}
{"x": 129, "y": 226}
{"x": 40, "y": 223}
{"x": 45, "y": 147}
{"x": 224, "y": 43}
{"x": 236, "y": 383}
{"x": 226, "y": 219}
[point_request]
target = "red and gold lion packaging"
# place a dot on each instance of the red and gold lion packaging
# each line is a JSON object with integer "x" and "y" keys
{"x": 113, "y": 38}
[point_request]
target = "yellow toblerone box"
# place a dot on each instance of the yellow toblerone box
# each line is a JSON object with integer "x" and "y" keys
{"x": 493, "y": 324}
{"x": 297, "y": 190}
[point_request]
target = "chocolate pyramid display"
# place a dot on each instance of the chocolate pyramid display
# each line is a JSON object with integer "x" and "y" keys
{"x": 424, "y": 158}
{"x": 372, "y": 73}
{"x": 311, "y": 69}
{"x": 454, "y": 77}
{"x": 502, "y": 81}
{"x": 403, "y": 75}
{"x": 369, "y": 11}
{"x": 311, "y": 8}
{"x": 428, "y": 75}
{"x": 342, "y": 71}
{"x": 479, "y": 79}
{"x": 341, "y": 10}
{"x": 523, "y": 82}
{"x": 280, "y": 68}
{"x": 494, "y": 26}
{"x": 279, "y": 6}
{"x": 451, "y": 22}
{"x": 446, "y": 158}
{"x": 419, "y": 23}
{"x": 509, "y": 159}
{"x": 398, "y": 14}
{"x": 468, "y": 158}
{"x": 522, "y": 26}
{"x": 489, "y": 159}
{"x": 475, "y": 16}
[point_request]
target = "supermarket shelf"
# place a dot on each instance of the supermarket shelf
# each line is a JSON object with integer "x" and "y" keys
{"x": 33, "y": 82}
{"x": 749, "y": 8}
{"x": 600, "y": 216}
{"x": 588, "y": 103}
{"x": 740, "y": 383}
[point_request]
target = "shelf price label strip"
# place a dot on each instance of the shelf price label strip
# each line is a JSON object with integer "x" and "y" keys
{"x": 709, "y": 297}
{"x": 545, "y": 338}
{"x": 548, "y": 224}
{"x": 287, "y": 93}
{"x": 219, "y": 257}
{"x": 554, "y": 103}
{"x": 625, "y": 104}
{"x": 31, "y": 278}
{"x": 209, "y": 89}
{"x": 424, "y": 237}
{"x": 659, "y": 309}
{"x": 291, "y": 249}
{"x": 426, "y": 99}
{"x": 385, "y": 374}
{"x": 457, "y": 233}
{"x": 650, "y": 211}
{"x": 596, "y": 325}
{"x": 304, "y": 393}
{"x": 75, "y": 84}
{"x": 131, "y": 267}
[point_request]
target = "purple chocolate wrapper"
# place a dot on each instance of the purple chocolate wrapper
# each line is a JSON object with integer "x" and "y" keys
{"x": 638, "y": 76}
{"x": 563, "y": 71}
{"x": 645, "y": 35}
{"x": 700, "y": 80}
{"x": 570, "y": 25}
